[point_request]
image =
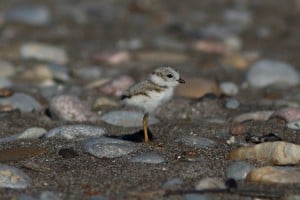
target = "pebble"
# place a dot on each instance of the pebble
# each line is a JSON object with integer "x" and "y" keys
{"x": 196, "y": 197}
{"x": 229, "y": 88}
{"x": 198, "y": 87}
{"x": 104, "y": 101}
{"x": 107, "y": 147}
{"x": 21, "y": 101}
{"x": 89, "y": 72}
{"x": 25, "y": 197}
{"x": 30, "y": 133}
{"x": 171, "y": 183}
{"x": 238, "y": 170}
{"x": 38, "y": 73}
{"x": 267, "y": 72}
{"x": 256, "y": 116}
{"x": 49, "y": 195}
{"x": 276, "y": 153}
{"x": 113, "y": 58}
{"x": 117, "y": 86}
{"x": 6, "y": 69}
{"x": 43, "y": 52}
{"x": 11, "y": 177}
{"x": 150, "y": 157}
{"x": 232, "y": 103}
{"x": 5, "y": 83}
{"x": 127, "y": 118}
{"x": 274, "y": 175}
{"x": 60, "y": 72}
{"x": 196, "y": 141}
{"x": 295, "y": 125}
{"x": 77, "y": 132}
{"x": 29, "y": 14}
{"x": 210, "y": 183}
{"x": 288, "y": 114}
{"x": 70, "y": 108}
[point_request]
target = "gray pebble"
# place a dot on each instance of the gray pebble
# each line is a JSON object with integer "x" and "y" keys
{"x": 229, "y": 88}
{"x": 172, "y": 182}
{"x": 267, "y": 72}
{"x": 294, "y": 125}
{"x": 29, "y": 14}
{"x": 89, "y": 73}
{"x": 4, "y": 82}
{"x": 70, "y": 108}
{"x": 48, "y": 195}
{"x": 238, "y": 170}
{"x": 43, "y": 52}
{"x": 60, "y": 72}
{"x": 78, "y": 132}
{"x": 25, "y": 197}
{"x": 6, "y": 69}
{"x": 22, "y": 101}
{"x": 108, "y": 147}
{"x": 197, "y": 141}
{"x": 126, "y": 118}
{"x": 232, "y": 103}
{"x": 30, "y": 133}
{"x": 149, "y": 157}
{"x": 11, "y": 177}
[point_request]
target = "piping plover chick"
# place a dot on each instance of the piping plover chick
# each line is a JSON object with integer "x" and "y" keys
{"x": 151, "y": 93}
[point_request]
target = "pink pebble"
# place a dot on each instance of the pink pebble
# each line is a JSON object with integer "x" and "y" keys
{"x": 288, "y": 114}
{"x": 117, "y": 86}
{"x": 113, "y": 58}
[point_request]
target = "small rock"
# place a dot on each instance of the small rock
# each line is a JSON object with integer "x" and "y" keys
{"x": 196, "y": 197}
{"x": 89, "y": 72}
{"x": 161, "y": 57}
{"x": 11, "y": 177}
{"x": 273, "y": 175}
{"x": 294, "y": 125}
{"x": 196, "y": 141}
{"x": 232, "y": 103}
{"x": 126, "y": 118}
{"x": 277, "y": 153}
{"x": 237, "y": 61}
{"x": 113, "y": 58}
{"x": 60, "y": 72}
{"x": 48, "y": 195}
{"x": 238, "y": 170}
{"x": 210, "y": 47}
{"x": 25, "y": 197}
{"x": 172, "y": 183}
{"x": 107, "y": 147}
{"x": 210, "y": 183}
{"x": 198, "y": 87}
{"x": 43, "y": 52}
{"x": 104, "y": 101}
{"x": 5, "y": 83}
{"x": 70, "y": 108}
{"x": 267, "y": 72}
{"x": 78, "y": 132}
{"x": 116, "y": 87}
{"x": 6, "y": 69}
{"x": 38, "y": 73}
{"x": 22, "y": 101}
{"x": 256, "y": 116}
{"x": 29, "y": 14}
{"x": 152, "y": 158}
{"x": 288, "y": 114}
{"x": 229, "y": 88}
{"x": 30, "y": 133}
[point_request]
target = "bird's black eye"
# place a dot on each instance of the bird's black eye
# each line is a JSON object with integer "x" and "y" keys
{"x": 170, "y": 76}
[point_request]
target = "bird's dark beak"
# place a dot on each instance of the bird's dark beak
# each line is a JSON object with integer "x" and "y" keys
{"x": 181, "y": 80}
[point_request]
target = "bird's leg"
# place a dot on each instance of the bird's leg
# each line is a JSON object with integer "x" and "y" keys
{"x": 145, "y": 126}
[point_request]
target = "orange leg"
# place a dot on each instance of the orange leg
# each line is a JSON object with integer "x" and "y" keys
{"x": 145, "y": 126}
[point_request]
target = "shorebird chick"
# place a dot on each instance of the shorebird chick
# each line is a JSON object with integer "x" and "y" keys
{"x": 150, "y": 94}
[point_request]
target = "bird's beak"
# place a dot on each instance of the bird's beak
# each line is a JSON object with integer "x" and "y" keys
{"x": 181, "y": 80}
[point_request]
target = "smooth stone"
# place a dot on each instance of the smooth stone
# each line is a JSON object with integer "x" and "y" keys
{"x": 104, "y": 101}
{"x": 288, "y": 114}
{"x": 172, "y": 183}
{"x": 238, "y": 170}
{"x": 114, "y": 58}
{"x": 70, "y": 108}
{"x": 37, "y": 73}
{"x": 276, "y": 153}
{"x": 51, "y": 91}
{"x": 295, "y": 125}
{"x": 5, "y": 83}
{"x": 77, "y": 132}
{"x": 256, "y": 116}
{"x": 48, "y": 195}
{"x": 30, "y": 133}
{"x": 60, "y": 72}
{"x": 22, "y": 101}
{"x": 232, "y": 103}
{"x": 196, "y": 141}
{"x": 107, "y": 147}
{"x": 210, "y": 183}
{"x": 229, "y": 88}
{"x": 11, "y": 177}
{"x": 117, "y": 86}
{"x": 267, "y": 72}
{"x": 6, "y": 69}
{"x": 43, "y": 52}
{"x": 29, "y": 14}
{"x": 126, "y": 118}
{"x": 274, "y": 175}
{"x": 89, "y": 72}
{"x": 150, "y": 157}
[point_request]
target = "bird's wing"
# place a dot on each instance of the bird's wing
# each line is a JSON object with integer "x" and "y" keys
{"x": 141, "y": 88}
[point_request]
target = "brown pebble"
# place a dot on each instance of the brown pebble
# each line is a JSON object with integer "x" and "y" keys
{"x": 238, "y": 129}
{"x": 7, "y": 108}
{"x": 6, "y": 92}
